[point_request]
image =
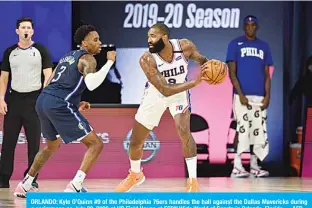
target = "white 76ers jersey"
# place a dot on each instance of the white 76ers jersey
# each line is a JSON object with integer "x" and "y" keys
{"x": 154, "y": 104}
{"x": 175, "y": 71}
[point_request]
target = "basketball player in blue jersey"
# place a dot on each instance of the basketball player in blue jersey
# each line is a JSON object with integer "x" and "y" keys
{"x": 165, "y": 66}
{"x": 249, "y": 59}
{"x": 59, "y": 104}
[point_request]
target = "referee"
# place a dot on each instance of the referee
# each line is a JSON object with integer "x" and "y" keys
{"x": 24, "y": 62}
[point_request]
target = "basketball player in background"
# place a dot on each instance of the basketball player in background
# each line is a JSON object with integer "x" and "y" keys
{"x": 165, "y": 66}
{"x": 59, "y": 104}
{"x": 249, "y": 59}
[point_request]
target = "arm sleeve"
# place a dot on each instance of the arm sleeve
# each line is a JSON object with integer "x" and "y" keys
{"x": 93, "y": 80}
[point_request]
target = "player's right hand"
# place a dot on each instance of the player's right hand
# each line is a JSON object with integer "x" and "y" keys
{"x": 83, "y": 105}
{"x": 243, "y": 100}
{"x": 3, "y": 107}
{"x": 111, "y": 55}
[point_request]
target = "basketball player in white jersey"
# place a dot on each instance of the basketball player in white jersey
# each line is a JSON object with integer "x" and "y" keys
{"x": 165, "y": 66}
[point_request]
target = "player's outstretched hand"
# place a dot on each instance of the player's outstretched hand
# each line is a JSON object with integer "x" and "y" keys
{"x": 83, "y": 105}
{"x": 200, "y": 76}
{"x": 111, "y": 55}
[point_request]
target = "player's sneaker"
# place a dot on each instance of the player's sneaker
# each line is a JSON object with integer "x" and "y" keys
{"x": 239, "y": 172}
{"x": 20, "y": 191}
{"x": 256, "y": 171}
{"x": 35, "y": 184}
{"x": 71, "y": 188}
{"x": 132, "y": 180}
{"x": 192, "y": 185}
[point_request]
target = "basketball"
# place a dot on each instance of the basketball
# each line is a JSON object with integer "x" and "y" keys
{"x": 216, "y": 72}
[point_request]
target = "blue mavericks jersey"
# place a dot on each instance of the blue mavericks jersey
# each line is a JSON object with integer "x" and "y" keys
{"x": 67, "y": 82}
{"x": 251, "y": 57}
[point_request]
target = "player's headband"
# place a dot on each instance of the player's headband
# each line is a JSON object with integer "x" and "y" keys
{"x": 251, "y": 19}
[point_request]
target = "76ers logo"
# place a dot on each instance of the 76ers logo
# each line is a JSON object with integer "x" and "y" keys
{"x": 179, "y": 107}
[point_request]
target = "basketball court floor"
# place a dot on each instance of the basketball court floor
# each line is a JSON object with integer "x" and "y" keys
{"x": 170, "y": 185}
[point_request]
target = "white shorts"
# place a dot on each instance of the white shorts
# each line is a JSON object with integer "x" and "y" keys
{"x": 154, "y": 104}
{"x": 251, "y": 122}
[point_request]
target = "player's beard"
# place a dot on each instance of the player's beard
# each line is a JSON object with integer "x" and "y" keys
{"x": 158, "y": 46}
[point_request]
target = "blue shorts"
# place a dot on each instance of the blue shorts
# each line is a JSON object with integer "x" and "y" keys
{"x": 61, "y": 118}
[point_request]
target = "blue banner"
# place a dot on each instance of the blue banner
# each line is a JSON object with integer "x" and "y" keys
{"x": 169, "y": 200}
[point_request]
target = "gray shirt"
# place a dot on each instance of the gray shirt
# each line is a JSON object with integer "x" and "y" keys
{"x": 25, "y": 66}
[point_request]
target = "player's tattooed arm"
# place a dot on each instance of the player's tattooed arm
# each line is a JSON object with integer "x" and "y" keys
{"x": 190, "y": 52}
{"x": 87, "y": 64}
{"x": 233, "y": 77}
{"x": 149, "y": 67}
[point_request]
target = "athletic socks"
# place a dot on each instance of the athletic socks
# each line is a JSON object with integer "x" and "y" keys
{"x": 27, "y": 182}
{"x": 191, "y": 164}
{"x": 135, "y": 166}
{"x": 78, "y": 179}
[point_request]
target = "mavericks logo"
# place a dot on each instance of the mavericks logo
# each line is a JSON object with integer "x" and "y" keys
{"x": 150, "y": 147}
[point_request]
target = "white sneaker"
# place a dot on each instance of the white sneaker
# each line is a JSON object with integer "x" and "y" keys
{"x": 20, "y": 191}
{"x": 239, "y": 172}
{"x": 71, "y": 188}
{"x": 256, "y": 171}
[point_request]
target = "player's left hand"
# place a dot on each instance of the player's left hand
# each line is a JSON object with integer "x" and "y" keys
{"x": 265, "y": 102}
{"x": 201, "y": 76}
{"x": 83, "y": 105}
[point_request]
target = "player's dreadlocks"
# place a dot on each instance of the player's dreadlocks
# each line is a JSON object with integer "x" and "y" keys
{"x": 82, "y": 32}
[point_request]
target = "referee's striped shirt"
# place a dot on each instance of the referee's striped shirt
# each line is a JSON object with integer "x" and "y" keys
{"x": 25, "y": 66}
